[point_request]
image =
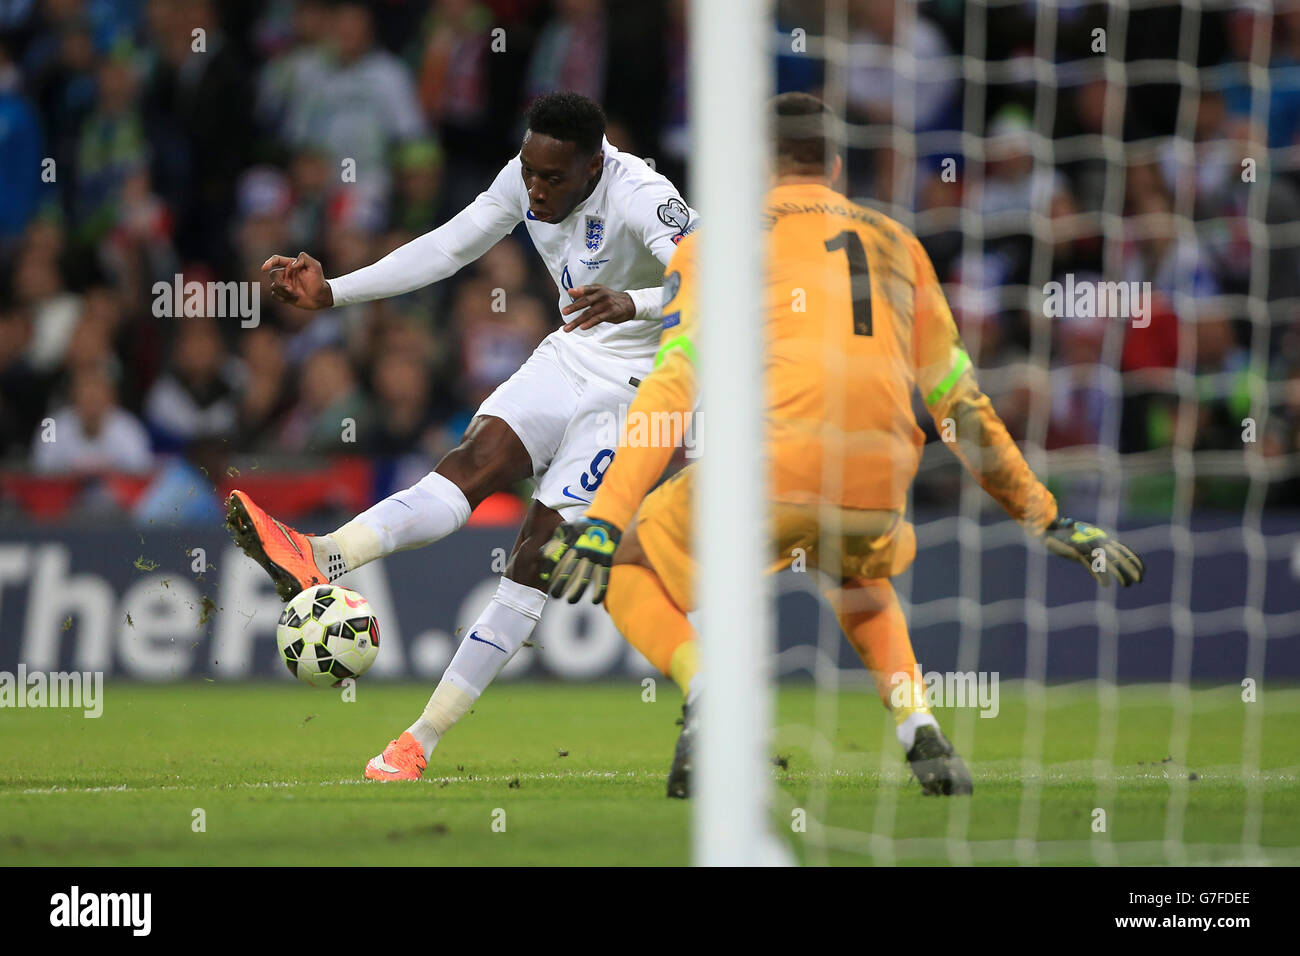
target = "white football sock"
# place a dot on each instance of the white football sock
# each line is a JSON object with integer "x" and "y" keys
{"x": 430, "y": 509}
{"x": 447, "y": 705}
{"x": 488, "y": 646}
{"x": 328, "y": 556}
{"x": 908, "y": 728}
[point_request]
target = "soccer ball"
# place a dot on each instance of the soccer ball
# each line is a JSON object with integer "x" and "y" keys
{"x": 327, "y": 633}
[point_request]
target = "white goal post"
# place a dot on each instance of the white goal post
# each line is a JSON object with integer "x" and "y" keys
{"x": 728, "y": 178}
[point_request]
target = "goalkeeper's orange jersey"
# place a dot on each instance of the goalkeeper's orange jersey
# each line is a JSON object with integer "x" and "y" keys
{"x": 856, "y": 321}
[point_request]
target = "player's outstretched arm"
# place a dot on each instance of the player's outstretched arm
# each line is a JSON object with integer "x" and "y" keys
{"x": 981, "y": 442}
{"x": 974, "y": 433}
{"x": 434, "y": 256}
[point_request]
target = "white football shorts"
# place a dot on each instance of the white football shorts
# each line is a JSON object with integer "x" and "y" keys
{"x": 564, "y": 404}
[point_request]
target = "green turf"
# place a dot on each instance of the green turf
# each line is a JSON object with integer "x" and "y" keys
{"x": 579, "y": 773}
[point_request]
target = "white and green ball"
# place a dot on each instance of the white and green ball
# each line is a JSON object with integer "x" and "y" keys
{"x": 326, "y": 634}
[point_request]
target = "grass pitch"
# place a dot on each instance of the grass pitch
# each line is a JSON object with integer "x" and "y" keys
{"x": 576, "y": 774}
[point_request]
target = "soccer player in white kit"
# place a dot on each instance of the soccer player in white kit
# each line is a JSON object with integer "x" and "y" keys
{"x": 605, "y": 224}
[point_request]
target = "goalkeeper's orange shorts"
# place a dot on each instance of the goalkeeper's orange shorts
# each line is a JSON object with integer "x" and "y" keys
{"x": 842, "y": 542}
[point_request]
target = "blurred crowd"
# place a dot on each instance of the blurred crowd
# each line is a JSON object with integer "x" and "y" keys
{"x": 1083, "y": 174}
{"x": 142, "y": 139}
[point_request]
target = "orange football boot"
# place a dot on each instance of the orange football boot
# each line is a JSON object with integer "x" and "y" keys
{"x": 283, "y": 553}
{"x": 402, "y": 759}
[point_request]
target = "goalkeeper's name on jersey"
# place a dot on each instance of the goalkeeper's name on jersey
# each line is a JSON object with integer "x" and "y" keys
{"x": 774, "y": 211}
{"x": 655, "y": 429}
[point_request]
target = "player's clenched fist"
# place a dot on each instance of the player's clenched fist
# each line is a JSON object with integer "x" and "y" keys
{"x": 299, "y": 281}
{"x": 580, "y": 552}
{"x": 1104, "y": 556}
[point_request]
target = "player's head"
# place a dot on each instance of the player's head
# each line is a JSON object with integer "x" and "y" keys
{"x": 561, "y": 154}
{"x": 802, "y": 125}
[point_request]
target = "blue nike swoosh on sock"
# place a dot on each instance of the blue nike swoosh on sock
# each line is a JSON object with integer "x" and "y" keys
{"x": 570, "y": 494}
{"x": 473, "y": 636}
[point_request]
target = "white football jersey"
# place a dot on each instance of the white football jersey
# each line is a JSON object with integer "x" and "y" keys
{"x": 621, "y": 236}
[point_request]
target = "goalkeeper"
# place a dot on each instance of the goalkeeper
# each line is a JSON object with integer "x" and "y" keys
{"x": 840, "y": 434}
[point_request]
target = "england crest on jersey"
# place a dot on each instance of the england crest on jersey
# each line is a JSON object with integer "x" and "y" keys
{"x": 595, "y": 232}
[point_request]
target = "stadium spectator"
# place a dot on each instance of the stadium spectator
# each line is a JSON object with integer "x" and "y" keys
{"x": 294, "y": 72}
{"x": 1223, "y": 384}
{"x": 21, "y": 150}
{"x": 1015, "y": 188}
{"x": 1271, "y": 40}
{"x": 264, "y": 215}
{"x": 1087, "y": 116}
{"x": 138, "y": 250}
{"x": 312, "y": 186}
{"x": 469, "y": 90}
{"x": 197, "y": 98}
{"x": 1075, "y": 239}
{"x": 418, "y": 190}
{"x": 571, "y": 51}
{"x": 38, "y": 284}
{"x": 404, "y": 417}
{"x": 1080, "y": 396}
{"x": 60, "y": 63}
{"x": 898, "y": 65}
{"x": 265, "y": 392}
{"x": 24, "y": 392}
{"x": 1014, "y": 182}
{"x": 938, "y": 226}
{"x": 330, "y": 414}
{"x": 1173, "y": 261}
{"x": 195, "y": 397}
{"x": 976, "y": 303}
{"x": 1210, "y": 170}
{"x": 494, "y": 343}
{"x": 453, "y": 70}
{"x": 90, "y": 348}
{"x": 111, "y": 148}
{"x": 92, "y": 433}
{"x": 183, "y": 491}
{"x": 132, "y": 341}
{"x": 381, "y": 111}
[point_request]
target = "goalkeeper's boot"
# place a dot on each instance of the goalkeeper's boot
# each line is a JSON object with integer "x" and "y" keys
{"x": 402, "y": 759}
{"x": 936, "y": 765}
{"x": 284, "y": 554}
{"x": 679, "y": 775}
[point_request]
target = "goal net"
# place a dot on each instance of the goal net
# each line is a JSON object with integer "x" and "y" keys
{"x": 1111, "y": 197}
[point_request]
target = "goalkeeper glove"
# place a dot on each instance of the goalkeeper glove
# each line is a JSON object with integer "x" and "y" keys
{"x": 1097, "y": 551}
{"x": 580, "y": 552}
